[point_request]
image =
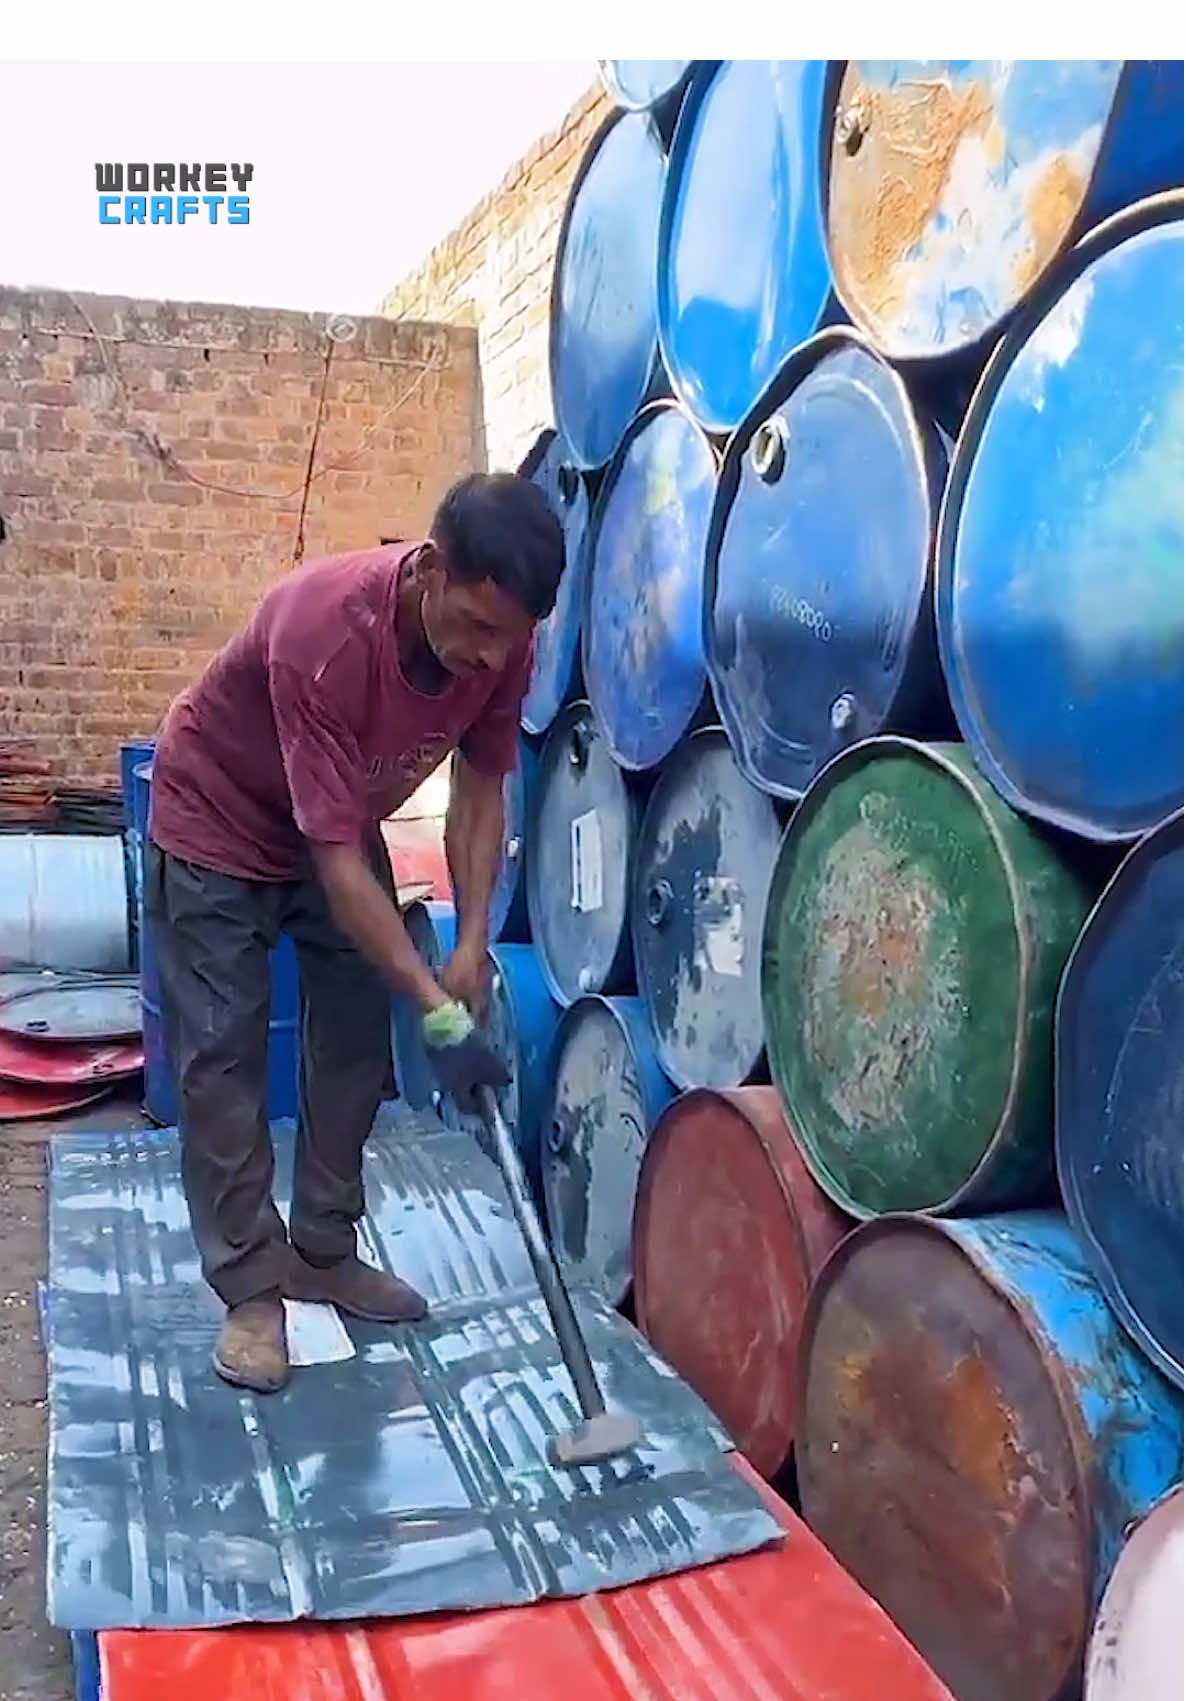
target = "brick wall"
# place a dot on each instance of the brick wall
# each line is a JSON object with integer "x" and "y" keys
{"x": 495, "y": 271}
{"x": 152, "y": 463}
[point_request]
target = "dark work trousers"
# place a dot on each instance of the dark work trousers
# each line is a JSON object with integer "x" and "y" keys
{"x": 212, "y": 934}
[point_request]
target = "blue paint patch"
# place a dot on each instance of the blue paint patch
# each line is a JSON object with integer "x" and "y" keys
{"x": 1131, "y": 1416}
{"x": 639, "y": 83}
{"x": 743, "y": 265}
{"x": 553, "y": 674}
{"x": 578, "y": 868}
{"x": 508, "y": 904}
{"x": 603, "y": 341}
{"x": 642, "y": 639}
{"x": 1060, "y": 589}
{"x": 818, "y": 593}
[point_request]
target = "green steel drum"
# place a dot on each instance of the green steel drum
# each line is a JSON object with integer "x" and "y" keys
{"x": 914, "y": 938}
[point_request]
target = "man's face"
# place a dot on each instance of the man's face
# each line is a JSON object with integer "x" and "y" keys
{"x": 471, "y": 628}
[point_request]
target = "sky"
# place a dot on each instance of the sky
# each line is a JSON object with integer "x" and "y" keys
{"x": 359, "y": 169}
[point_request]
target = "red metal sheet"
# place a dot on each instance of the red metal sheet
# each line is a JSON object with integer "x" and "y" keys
{"x": 21, "y": 1102}
{"x": 64, "y": 1064}
{"x": 786, "y": 1624}
{"x": 729, "y": 1231}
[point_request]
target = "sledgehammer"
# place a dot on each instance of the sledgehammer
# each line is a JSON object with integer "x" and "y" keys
{"x": 603, "y": 1434}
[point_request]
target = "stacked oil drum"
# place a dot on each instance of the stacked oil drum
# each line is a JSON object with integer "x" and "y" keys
{"x": 842, "y": 961}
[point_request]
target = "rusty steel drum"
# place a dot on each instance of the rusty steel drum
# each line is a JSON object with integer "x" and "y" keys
{"x": 954, "y": 185}
{"x": 730, "y": 1230}
{"x": 975, "y": 1434}
{"x": 914, "y": 939}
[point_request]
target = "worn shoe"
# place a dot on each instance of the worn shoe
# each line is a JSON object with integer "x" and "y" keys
{"x": 356, "y": 1288}
{"x": 252, "y": 1351}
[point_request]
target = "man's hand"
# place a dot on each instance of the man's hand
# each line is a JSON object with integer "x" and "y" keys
{"x": 461, "y": 1058}
{"x": 466, "y": 977}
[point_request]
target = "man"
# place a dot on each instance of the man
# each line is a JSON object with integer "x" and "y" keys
{"x": 353, "y": 680}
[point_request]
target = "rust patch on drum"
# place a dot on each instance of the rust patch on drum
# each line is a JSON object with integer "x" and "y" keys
{"x": 882, "y": 983}
{"x": 1051, "y": 208}
{"x": 884, "y": 196}
{"x": 935, "y": 1462}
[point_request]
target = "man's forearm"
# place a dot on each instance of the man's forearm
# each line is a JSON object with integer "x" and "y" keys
{"x": 474, "y": 830}
{"x": 367, "y": 916}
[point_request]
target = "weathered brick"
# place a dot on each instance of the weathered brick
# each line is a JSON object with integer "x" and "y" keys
{"x": 119, "y": 577}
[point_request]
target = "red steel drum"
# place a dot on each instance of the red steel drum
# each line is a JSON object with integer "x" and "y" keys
{"x": 729, "y": 1232}
{"x": 63, "y": 1064}
{"x": 20, "y": 1102}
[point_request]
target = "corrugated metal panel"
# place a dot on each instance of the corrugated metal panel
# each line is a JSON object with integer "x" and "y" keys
{"x": 411, "y": 1477}
{"x": 783, "y": 1625}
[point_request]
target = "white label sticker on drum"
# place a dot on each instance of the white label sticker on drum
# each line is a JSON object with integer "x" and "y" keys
{"x": 719, "y": 913}
{"x": 586, "y": 863}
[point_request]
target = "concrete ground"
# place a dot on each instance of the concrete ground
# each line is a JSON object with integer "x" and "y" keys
{"x": 35, "y": 1661}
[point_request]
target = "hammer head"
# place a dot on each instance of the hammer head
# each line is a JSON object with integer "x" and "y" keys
{"x": 595, "y": 1440}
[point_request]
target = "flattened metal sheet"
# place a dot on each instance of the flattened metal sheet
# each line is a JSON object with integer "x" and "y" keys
{"x": 786, "y": 1624}
{"x": 75, "y": 1010}
{"x": 407, "y": 1479}
{"x": 34, "y": 1061}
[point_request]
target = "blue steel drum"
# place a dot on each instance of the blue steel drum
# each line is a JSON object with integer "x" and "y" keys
{"x": 521, "y": 1025}
{"x": 1118, "y": 1094}
{"x": 638, "y": 83}
{"x": 606, "y": 1091}
{"x": 508, "y": 903}
{"x": 1059, "y": 576}
{"x": 743, "y": 265}
{"x": 642, "y": 639}
{"x": 954, "y": 185}
{"x": 431, "y": 928}
{"x": 131, "y": 757}
{"x": 557, "y": 639}
{"x": 975, "y": 1434}
{"x": 818, "y": 593}
{"x": 580, "y": 847}
{"x": 284, "y": 1023}
{"x": 706, "y": 852}
{"x": 603, "y": 344}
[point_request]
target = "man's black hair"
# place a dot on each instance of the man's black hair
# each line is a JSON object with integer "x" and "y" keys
{"x": 499, "y": 526}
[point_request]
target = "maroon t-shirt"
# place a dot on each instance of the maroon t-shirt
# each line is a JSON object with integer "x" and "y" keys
{"x": 304, "y": 726}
